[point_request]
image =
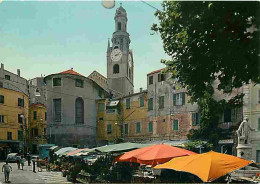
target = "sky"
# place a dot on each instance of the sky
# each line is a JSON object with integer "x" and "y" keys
{"x": 48, "y": 37}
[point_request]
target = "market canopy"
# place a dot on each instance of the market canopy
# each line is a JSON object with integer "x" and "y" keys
{"x": 207, "y": 166}
{"x": 153, "y": 155}
{"x": 65, "y": 150}
{"x": 76, "y": 152}
{"x": 119, "y": 147}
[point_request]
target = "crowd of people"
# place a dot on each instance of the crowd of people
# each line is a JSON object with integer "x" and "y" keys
{"x": 20, "y": 161}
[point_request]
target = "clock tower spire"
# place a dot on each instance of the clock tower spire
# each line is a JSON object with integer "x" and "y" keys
{"x": 120, "y": 66}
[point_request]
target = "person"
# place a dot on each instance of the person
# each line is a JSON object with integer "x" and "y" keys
{"x": 33, "y": 161}
{"x": 22, "y": 162}
{"x": 18, "y": 163}
{"x": 6, "y": 169}
{"x": 39, "y": 165}
{"x": 29, "y": 160}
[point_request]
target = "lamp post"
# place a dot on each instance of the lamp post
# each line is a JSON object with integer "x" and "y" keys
{"x": 24, "y": 133}
{"x": 41, "y": 120}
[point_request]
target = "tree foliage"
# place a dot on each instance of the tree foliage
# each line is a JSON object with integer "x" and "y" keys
{"x": 209, "y": 41}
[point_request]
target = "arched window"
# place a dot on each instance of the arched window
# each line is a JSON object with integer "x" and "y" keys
{"x": 79, "y": 111}
{"x": 116, "y": 68}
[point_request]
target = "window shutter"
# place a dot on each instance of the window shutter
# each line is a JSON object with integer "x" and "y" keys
{"x": 193, "y": 119}
{"x": 183, "y": 98}
{"x": 174, "y": 99}
{"x": 258, "y": 123}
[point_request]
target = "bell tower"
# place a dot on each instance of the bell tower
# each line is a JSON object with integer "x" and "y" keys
{"x": 120, "y": 65}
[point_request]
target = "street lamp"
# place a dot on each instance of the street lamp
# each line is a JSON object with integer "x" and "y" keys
{"x": 42, "y": 130}
{"x": 24, "y": 133}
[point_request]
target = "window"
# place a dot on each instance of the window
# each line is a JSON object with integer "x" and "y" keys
{"x": 179, "y": 99}
{"x": 20, "y": 135}
{"x": 101, "y": 119}
{"x": 7, "y": 77}
{"x": 161, "y": 77}
{"x": 9, "y": 135}
{"x": 109, "y": 129}
{"x": 2, "y": 119}
{"x": 258, "y": 156}
{"x": 151, "y": 127}
{"x": 116, "y": 68}
{"x": 227, "y": 116}
{"x": 150, "y": 104}
{"x": 56, "y": 81}
{"x": 100, "y": 93}
{"x": 44, "y": 131}
{"x": 258, "y": 123}
{"x": 20, "y": 118}
{"x": 259, "y": 96}
{"x": 141, "y": 101}
{"x": 175, "y": 125}
{"x": 20, "y": 102}
{"x": 36, "y": 132}
{"x": 57, "y": 109}
{"x": 195, "y": 119}
{"x": 79, "y": 111}
{"x": 79, "y": 83}
{"x": 1, "y": 84}
{"x": 119, "y": 26}
{"x": 161, "y": 102}
{"x": 150, "y": 80}
{"x": 2, "y": 99}
{"x": 128, "y": 103}
{"x": 126, "y": 128}
{"x": 45, "y": 116}
{"x": 138, "y": 127}
{"x": 34, "y": 115}
{"x": 101, "y": 107}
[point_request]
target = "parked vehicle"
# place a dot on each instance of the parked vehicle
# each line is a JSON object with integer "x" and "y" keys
{"x": 11, "y": 157}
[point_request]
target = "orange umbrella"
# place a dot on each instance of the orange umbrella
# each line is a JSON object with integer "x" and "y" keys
{"x": 207, "y": 166}
{"x": 153, "y": 155}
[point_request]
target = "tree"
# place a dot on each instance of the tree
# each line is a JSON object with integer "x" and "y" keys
{"x": 210, "y": 41}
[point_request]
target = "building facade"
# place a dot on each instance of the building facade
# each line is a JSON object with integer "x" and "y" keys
{"x": 37, "y": 126}
{"x": 14, "y": 105}
{"x": 71, "y": 109}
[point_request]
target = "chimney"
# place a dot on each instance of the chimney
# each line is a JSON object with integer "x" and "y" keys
{"x": 141, "y": 90}
{"x": 18, "y": 72}
{"x": 2, "y": 66}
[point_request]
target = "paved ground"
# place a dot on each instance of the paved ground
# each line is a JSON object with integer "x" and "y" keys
{"x": 27, "y": 176}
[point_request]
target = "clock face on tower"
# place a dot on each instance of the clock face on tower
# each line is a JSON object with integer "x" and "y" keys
{"x": 116, "y": 55}
{"x": 130, "y": 60}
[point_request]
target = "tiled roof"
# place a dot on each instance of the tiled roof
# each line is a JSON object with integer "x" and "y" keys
{"x": 156, "y": 71}
{"x": 72, "y": 72}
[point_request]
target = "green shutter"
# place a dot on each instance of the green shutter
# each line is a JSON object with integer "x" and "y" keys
{"x": 141, "y": 101}
{"x": 193, "y": 119}
{"x": 128, "y": 103}
{"x": 151, "y": 127}
{"x": 109, "y": 129}
{"x": 176, "y": 125}
{"x": 174, "y": 99}
{"x": 183, "y": 98}
{"x": 138, "y": 127}
{"x": 150, "y": 104}
{"x": 126, "y": 128}
{"x": 101, "y": 107}
{"x": 258, "y": 123}
{"x": 161, "y": 102}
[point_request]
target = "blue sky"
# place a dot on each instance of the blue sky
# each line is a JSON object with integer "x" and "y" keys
{"x": 50, "y": 37}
